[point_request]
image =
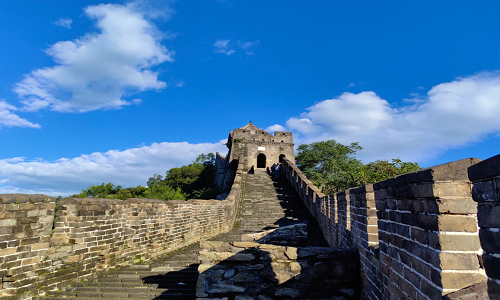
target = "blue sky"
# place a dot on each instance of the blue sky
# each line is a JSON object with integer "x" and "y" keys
{"x": 96, "y": 91}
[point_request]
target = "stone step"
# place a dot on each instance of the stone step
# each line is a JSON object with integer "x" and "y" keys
{"x": 169, "y": 296}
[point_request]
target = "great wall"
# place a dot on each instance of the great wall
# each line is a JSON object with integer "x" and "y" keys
{"x": 431, "y": 234}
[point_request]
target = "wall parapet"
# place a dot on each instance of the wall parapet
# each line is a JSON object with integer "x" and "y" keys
{"x": 416, "y": 233}
{"x": 91, "y": 235}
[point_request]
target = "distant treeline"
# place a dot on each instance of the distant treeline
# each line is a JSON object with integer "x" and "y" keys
{"x": 194, "y": 181}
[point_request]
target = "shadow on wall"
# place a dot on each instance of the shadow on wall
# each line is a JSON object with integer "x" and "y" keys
{"x": 245, "y": 270}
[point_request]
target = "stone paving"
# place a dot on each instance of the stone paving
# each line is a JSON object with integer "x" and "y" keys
{"x": 266, "y": 204}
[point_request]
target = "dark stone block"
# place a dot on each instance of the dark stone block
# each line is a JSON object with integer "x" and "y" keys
{"x": 399, "y": 180}
{"x": 484, "y": 191}
{"x": 428, "y": 222}
{"x": 485, "y": 169}
{"x": 409, "y": 219}
{"x": 491, "y": 266}
{"x": 490, "y": 241}
{"x": 488, "y": 215}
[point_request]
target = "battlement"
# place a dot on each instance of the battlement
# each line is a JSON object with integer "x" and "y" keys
{"x": 251, "y": 133}
{"x": 417, "y": 234}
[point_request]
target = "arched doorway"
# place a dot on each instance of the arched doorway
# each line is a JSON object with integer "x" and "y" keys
{"x": 261, "y": 160}
{"x": 281, "y": 157}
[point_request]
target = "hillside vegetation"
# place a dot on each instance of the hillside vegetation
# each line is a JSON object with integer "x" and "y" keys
{"x": 333, "y": 167}
{"x": 194, "y": 181}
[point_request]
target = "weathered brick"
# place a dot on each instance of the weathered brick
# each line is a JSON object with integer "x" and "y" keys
{"x": 454, "y": 242}
{"x": 452, "y": 189}
{"x": 453, "y": 205}
{"x": 7, "y": 251}
{"x": 458, "y": 261}
{"x": 460, "y": 280}
{"x": 31, "y": 261}
{"x": 39, "y": 246}
{"x": 457, "y": 223}
{"x": 8, "y": 222}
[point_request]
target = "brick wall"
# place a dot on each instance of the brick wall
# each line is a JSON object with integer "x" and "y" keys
{"x": 344, "y": 220}
{"x": 428, "y": 237}
{"x": 364, "y": 227}
{"x": 97, "y": 234}
{"x": 486, "y": 192}
{"x": 417, "y": 233}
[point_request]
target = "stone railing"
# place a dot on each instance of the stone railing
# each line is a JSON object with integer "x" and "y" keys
{"x": 416, "y": 234}
{"x": 97, "y": 234}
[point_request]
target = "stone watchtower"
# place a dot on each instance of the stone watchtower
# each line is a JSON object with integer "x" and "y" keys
{"x": 255, "y": 148}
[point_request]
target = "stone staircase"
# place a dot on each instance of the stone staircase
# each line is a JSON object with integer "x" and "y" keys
{"x": 168, "y": 277}
{"x": 266, "y": 204}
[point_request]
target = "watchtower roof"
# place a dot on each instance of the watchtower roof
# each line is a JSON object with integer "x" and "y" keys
{"x": 250, "y": 126}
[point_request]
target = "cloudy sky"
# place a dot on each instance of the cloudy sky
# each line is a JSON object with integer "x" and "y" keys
{"x": 94, "y": 92}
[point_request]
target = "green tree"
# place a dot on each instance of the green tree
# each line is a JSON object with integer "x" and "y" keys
{"x": 383, "y": 169}
{"x": 164, "y": 192}
{"x": 99, "y": 191}
{"x": 332, "y": 167}
{"x": 132, "y": 192}
{"x": 195, "y": 180}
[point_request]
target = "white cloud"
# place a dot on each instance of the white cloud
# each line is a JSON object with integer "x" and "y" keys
{"x": 276, "y": 127}
{"x": 247, "y": 45}
{"x": 127, "y": 168}
{"x": 222, "y": 46}
{"x": 154, "y": 9}
{"x": 98, "y": 70}
{"x": 350, "y": 85}
{"x": 9, "y": 119}
{"x": 180, "y": 83}
{"x": 451, "y": 115}
{"x": 64, "y": 22}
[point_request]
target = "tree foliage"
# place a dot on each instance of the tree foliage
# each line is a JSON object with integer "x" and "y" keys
{"x": 194, "y": 181}
{"x": 332, "y": 167}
